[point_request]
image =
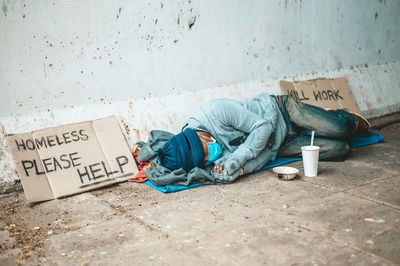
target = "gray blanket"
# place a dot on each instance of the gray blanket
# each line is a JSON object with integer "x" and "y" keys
{"x": 161, "y": 176}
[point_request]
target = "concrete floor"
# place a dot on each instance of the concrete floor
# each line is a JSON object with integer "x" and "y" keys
{"x": 348, "y": 215}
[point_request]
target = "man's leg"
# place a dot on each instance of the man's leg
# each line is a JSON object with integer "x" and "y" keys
{"x": 330, "y": 149}
{"x": 305, "y": 118}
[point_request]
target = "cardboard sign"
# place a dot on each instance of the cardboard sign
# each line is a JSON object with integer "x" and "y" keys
{"x": 65, "y": 160}
{"x": 326, "y": 93}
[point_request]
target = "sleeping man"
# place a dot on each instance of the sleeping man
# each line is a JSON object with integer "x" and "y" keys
{"x": 230, "y": 138}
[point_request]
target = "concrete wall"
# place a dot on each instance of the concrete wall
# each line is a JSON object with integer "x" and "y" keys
{"x": 146, "y": 61}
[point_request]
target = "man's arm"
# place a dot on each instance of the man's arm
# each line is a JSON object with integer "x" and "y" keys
{"x": 259, "y": 130}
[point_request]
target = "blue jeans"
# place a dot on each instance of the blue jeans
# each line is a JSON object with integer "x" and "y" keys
{"x": 333, "y": 129}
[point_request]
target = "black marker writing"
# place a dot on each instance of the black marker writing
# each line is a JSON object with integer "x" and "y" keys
{"x": 52, "y": 140}
{"x": 327, "y": 95}
{"x": 99, "y": 170}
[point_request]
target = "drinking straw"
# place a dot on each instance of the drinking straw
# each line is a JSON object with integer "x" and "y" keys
{"x": 312, "y": 138}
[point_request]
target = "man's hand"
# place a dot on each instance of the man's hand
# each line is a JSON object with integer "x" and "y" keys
{"x": 227, "y": 163}
{"x": 223, "y": 176}
{"x": 227, "y": 169}
{"x": 231, "y": 165}
{"x": 217, "y": 168}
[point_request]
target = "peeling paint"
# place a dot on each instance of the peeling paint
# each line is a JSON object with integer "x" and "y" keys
{"x": 127, "y": 130}
{"x": 137, "y": 133}
{"x": 44, "y": 70}
{"x": 4, "y": 7}
{"x": 191, "y": 22}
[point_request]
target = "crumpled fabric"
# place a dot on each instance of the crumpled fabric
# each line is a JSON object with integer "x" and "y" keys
{"x": 140, "y": 177}
{"x": 162, "y": 176}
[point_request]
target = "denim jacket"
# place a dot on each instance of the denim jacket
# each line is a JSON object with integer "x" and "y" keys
{"x": 249, "y": 131}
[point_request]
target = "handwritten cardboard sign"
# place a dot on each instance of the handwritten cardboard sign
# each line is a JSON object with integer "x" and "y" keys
{"x": 65, "y": 160}
{"x": 326, "y": 93}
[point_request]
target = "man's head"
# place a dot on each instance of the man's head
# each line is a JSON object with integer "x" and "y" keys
{"x": 184, "y": 150}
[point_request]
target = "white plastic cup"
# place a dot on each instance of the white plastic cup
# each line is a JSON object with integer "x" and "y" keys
{"x": 310, "y": 160}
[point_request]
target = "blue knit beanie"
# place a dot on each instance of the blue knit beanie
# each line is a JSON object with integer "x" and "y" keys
{"x": 175, "y": 153}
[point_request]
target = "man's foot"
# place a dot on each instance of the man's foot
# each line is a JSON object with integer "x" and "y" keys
{"x": 362, "y": 124}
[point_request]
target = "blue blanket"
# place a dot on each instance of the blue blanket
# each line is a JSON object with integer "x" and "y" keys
{"x": 361, "y": 140}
